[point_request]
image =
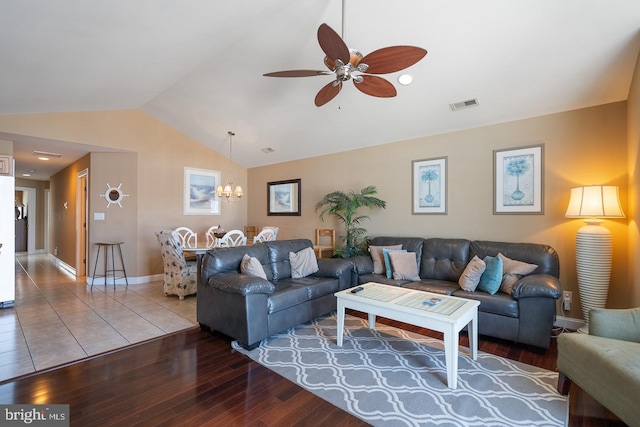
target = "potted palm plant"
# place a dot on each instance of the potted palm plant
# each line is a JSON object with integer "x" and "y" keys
{"x": 344, "y": 206}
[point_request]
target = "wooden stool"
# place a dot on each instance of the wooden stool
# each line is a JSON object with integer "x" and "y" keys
{"x": 107, "y": 270}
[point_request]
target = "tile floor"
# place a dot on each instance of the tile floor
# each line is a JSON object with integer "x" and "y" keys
{"x": 57, "y": 319}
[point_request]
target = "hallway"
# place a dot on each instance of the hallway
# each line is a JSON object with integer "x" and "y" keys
{"x": 57, "y": 319}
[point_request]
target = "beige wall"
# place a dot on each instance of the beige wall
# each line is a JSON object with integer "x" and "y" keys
{"x": 633, "y": 212}
{"x": 63, "y": 212}
{"x": 581, "y": 147}
{"x": 162, "y": 154}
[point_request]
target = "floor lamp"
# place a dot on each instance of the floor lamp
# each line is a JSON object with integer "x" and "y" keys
{"x": 594, "y": 246}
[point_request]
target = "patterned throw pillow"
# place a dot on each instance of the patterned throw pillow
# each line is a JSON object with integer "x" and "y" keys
{"x": 303, "y": 263}
{"x": 492, "y": 277}
{"x": 470, "y": 277}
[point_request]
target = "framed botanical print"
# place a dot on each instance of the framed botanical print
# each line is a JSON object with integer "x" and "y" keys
{"x": 518, "y": 186}
{"x": 429, "y": 186}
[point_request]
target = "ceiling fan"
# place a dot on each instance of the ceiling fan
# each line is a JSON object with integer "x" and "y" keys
{"x": 349, "y": 64}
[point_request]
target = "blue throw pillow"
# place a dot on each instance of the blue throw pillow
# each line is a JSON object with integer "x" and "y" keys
{"x": 492, "y": 277}
{"x": 387, "y": 261}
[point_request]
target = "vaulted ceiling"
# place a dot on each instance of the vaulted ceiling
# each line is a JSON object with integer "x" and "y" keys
{"x": 198, "y": 65}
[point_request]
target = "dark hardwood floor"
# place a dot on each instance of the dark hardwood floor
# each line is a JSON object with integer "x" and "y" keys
{"x": 194, "y": 378}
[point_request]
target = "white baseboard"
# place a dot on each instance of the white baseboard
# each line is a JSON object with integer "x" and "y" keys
{"x": 568, "y": 322}
{"x": 101, "y": 280}
{"x": 130, "y": 280}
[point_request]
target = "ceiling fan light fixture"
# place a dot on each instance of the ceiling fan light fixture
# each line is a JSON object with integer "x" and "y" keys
{"x": 405, "y": 79}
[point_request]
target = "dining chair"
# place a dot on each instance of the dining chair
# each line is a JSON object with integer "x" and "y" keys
{"x": 250, "y": 231}
{"x": 272, "y": 227}
{"x": 232, "y": 238}
{"x": 188, "y": 239}
{"x": 180, "y": 275}
{"x": 266, "y": 235}
{"x": 212, "y": 240}
{"x": 325, "y": 241}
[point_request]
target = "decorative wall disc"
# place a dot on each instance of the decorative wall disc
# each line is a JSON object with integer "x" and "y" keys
{"x": 114, "y": 195}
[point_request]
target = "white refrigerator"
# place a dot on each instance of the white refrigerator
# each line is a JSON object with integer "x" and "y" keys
{"x": 8, "y": 240}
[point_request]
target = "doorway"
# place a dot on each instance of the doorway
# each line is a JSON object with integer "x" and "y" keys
{"x": 29, "y": 214}
{"x": 82, "y": 201}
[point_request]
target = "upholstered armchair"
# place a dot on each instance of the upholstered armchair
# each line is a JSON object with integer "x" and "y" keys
{"x": 606, "y": 362}
{"x": 180, "y": 276}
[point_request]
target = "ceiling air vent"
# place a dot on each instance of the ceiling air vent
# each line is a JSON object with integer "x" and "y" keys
{"x": 464, "y": 104}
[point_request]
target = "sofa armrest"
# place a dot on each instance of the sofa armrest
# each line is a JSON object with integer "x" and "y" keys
{"x": 242, "y": 284}
{"x": 536, "y": 286}
{"x": 620, "y": 324}
{"x": 363, "y": 264}
{"x": 333, "y": 267}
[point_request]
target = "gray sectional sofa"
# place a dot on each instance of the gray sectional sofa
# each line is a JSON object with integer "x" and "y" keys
{"x": 249, "y": 308}
{"x": 525, "y": 316}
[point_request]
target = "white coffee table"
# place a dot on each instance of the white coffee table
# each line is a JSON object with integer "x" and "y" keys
{"x": 449, "y": 316}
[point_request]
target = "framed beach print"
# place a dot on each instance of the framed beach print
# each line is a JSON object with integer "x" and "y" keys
{"x": 283, "y": 197}
{"x": 200, "y": 192}
{"x": 429, "y": 186}
{"x": 518, "y": 180}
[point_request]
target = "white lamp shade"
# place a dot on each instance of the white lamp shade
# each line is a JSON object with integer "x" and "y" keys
{"x": 594, "y": 201}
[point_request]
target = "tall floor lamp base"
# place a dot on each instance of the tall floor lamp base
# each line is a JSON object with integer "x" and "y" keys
{"x": 594, "y": 248}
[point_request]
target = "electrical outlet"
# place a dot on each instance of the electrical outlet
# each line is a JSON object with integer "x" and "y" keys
{"x": 566, "y": 300}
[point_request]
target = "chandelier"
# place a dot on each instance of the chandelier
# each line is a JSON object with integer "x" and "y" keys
{"x": 227, "y": 191}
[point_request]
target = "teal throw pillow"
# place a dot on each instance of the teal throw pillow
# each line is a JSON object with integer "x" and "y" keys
{"x": 492, "y": 277}
{"x": 387, "y": 261}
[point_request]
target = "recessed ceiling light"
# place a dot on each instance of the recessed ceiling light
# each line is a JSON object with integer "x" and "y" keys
{"x": 43, "y": 158}
{"x": 268, "y": 150}
{"x": 26, "y": 174}
{"x": 46, "y": 154}
{"x": 405, "y": 79}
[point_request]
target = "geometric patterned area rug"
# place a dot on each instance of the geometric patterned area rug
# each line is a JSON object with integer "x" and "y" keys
{"x": 391, "y": 377}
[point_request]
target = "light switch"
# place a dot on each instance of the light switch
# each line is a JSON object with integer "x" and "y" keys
{"x": 98, "y": 216}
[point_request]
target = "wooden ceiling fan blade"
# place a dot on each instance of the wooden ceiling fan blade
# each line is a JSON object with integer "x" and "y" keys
{"x": 332, "y": 44}
{"x": 327, "y": 93}
{"x": 297, "y": 73}
{"x": 393, "y": 58}
{"x": 376, "y": 86}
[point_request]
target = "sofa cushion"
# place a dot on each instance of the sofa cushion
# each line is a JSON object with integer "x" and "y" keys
{"x": 499, "y": 303}
{"x": 512, "y": 271}
{"x": 442, "y": 287}
{"x": 544, "y": 256}
{"x": 303, "y": 263}
{"x": 404, "y": 266}
{"x": 411, "y": 244}
{"x": 286, "y": 294}
{"x": 444, "y": 259}
{"x": 279, "y": 255}
{"x": 379, "y": 278}
{"x": 252, "y": 267}
{"x": 387, "y": 262}
{"x": 471, "y": 275}
{"x": 378, "y": 259}
{"x": 492, "y": 277}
